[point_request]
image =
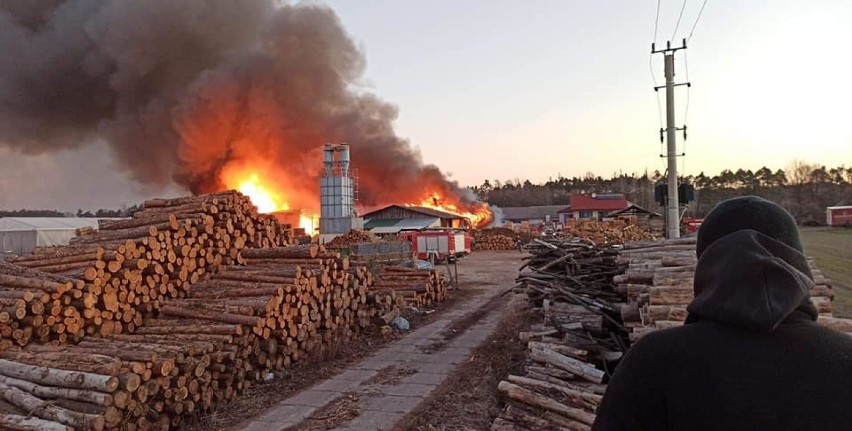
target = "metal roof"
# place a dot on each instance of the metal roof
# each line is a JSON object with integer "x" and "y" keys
{"x": 9, "y": 224}
{"x": 384, "y": 222}
{"x": 532, "y": 213}
{"x": 406, "y": 223}
{"x": 430, "y": 212}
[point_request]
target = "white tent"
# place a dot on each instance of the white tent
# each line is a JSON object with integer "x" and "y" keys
{"x": 19, "y": 235}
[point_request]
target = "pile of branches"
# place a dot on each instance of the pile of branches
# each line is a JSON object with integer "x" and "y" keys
{"x": 606, "y": 232}
{"x": 354, "y": 236}
{"x": 574, "y": 270}
{"x": 581, "y": 341}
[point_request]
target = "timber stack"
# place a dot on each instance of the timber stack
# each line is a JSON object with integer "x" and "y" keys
{"x": 354, "y": 236}
{"x": 419, "y": 287}
{"x": 606, "y": 232}
{"x": 658, "y": 277}
{"x": 166, "y": 314}
{"x": 494, "y": 239}
{"x": 129, "y": 267}
{"x": 571, "y": 282}
{"x": 40, "y": 306}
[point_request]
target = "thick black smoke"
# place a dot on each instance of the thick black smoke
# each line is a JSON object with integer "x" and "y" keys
{"x": 183, "y": 91}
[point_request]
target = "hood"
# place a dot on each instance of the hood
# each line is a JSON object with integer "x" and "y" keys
{"x": 750, "y": 280}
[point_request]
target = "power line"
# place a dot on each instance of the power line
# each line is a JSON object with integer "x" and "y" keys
{"x": 651, "y": 69}
{"x": 696, "y": 19}
{"x": 657, "y": 21}
{"x": 682, "y": 8}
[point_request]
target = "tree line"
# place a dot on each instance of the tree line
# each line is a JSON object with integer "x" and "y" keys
{"x": 804, "y": 189}
{"x": 100, "y": 213}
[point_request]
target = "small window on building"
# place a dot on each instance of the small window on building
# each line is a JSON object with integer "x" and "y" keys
{"x": 587, "y": 214}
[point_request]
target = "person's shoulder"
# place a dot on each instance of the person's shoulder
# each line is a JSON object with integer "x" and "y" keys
{"x": 662, "y": 343}
{"x": 826, "y": 334}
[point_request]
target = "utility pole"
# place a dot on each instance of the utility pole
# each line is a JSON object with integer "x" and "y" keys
{"x": 672, "y": 204}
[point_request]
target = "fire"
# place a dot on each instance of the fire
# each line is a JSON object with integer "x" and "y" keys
{"x": 478, "y": 213}
{"x": 266, "y": 200}
{"x": 265, "y": 196}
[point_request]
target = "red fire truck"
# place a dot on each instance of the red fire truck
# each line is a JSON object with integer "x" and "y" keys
{"x": 438, "y": 245}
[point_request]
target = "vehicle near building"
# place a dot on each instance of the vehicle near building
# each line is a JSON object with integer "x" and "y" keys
{"x": 438, "y": 245}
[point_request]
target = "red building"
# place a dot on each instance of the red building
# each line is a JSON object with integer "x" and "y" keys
{"x": 596, "y": 205}
{"x": 839, "y": 216}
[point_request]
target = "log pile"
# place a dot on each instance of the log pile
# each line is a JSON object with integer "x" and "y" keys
{"x": 606, "y": 232}
{"x": 571, "y": 270}
{"x": 418, "y": 287}
{"x": 354, "y": 236}
{"x": 130, "y": 266}
{"x": 203, "y": 302}
{"x": 494, "y": 239}
{"x": 228, "y": 332}
{"x": 40, "y": 306}
{"x": 657, "y": 280}
{"x": 571, "y": 280}
{"x": 589, "y": 325}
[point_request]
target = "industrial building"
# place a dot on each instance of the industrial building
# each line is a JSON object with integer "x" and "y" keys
{"x": 20, "y": 235}
{"x": 395, "y": 218}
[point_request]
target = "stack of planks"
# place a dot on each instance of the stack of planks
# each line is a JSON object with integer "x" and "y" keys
{"x": 354, "y": 236}
{"x": 657, "y": 280}
{"x": 494, "y": 239}
{"x": 130, "y": 266}
{"x": 418, "y": 287}
{"x": 606, "y": 232}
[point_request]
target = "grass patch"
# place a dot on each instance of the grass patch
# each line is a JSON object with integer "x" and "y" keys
{"x": 832, "y": 249}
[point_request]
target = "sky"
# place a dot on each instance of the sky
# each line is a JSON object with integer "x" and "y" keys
{"x": 494, "y": 89}
{"x": 510, "y": 89}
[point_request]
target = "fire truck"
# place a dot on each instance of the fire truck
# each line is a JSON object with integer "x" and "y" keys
{"x": 438, "y": 244}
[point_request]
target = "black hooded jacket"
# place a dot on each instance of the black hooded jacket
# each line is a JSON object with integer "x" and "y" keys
{"x": 750, "y": 357}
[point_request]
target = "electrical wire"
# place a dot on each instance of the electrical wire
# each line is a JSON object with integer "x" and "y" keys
{"x": 653, "y": 76}
{"x": 696, "y": 20}
{"x": 682, "y": 8}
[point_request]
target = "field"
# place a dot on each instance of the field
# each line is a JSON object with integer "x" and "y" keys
{"x": 832, "y": 249}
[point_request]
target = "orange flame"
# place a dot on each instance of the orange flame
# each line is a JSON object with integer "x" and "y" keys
{"x": 264, "y": 196}
{"x": 478, "y": 213}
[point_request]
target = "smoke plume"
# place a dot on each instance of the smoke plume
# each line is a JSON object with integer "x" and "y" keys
{"x": 186, "y": 91}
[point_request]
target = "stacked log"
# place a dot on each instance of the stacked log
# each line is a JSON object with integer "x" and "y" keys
{"x": 494, "y": 239}
{"x": 228, "y": 331}
{"x": 130, "y": 266}
{"x": 658, "y": 278}
{"x": 354, "y": 236}
{"x": 188, "y": 303}
{"x": 418, "y": 287}
{"x": 606, "y": 232}
{"x": 36, "y": 305}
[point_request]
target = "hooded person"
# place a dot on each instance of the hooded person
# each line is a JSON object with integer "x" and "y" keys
{"x": 750, "y": 356}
